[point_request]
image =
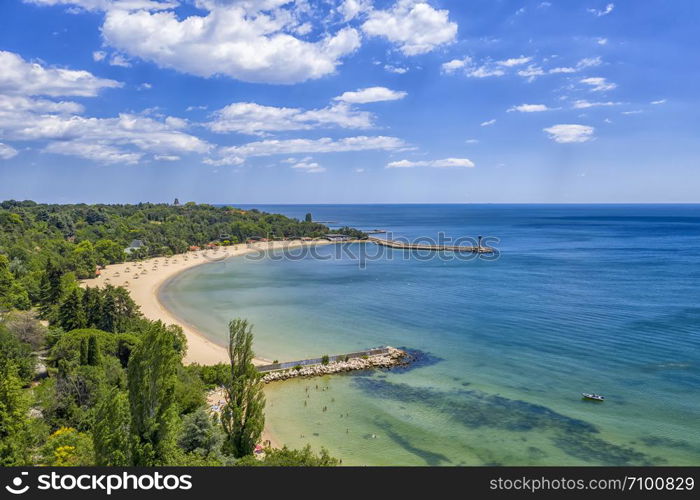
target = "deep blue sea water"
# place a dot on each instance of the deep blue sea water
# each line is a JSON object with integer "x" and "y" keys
{"x": 600, "y": 298}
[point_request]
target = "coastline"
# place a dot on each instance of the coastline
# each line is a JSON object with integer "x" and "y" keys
{"x": 144, "y": 279}
{"x": 145, "y": 291}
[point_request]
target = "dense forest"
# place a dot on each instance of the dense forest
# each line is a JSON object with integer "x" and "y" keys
{"x": 85, "y": 379}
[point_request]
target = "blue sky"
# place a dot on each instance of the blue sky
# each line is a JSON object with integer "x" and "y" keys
{"x": 350, "y": 101}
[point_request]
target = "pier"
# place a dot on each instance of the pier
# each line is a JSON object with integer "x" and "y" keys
{"x": 379, "y": 357}
{"x": 425, "y": 246}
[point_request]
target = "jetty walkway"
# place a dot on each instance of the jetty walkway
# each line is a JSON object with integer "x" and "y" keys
{"x": 425, "y": 246}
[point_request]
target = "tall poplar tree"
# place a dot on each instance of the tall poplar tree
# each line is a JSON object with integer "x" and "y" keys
{"x": 110, "y": 433}
{"x": 243, "y": 417}
{"x": 151, "y": 380}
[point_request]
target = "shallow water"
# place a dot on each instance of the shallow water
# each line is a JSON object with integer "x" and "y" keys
{"x": 582, "y": 298}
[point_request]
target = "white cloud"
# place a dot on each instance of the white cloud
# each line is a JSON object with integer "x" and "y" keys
{"x": 413, "y": 25}
{"x": 583, "y": 104}
{"x": 599, "y": 84}
{"x": 350, "y": 9}
{"x": 371, "y": 94}
{"x": 166, "y": 157}
{"x": 101, "y": 153}
{"x": 586, "y": 62}
{"x": 570, "y": 133}
{"x": 633, "y": 112}
{"x": 235, "y": 155}
{"x": 252, "y": 118}
{"x": 308, "y": 166}
{"x": 531, "y": 72}
{"x": 98, "y": 55}
{"x": 17, "y": 104}
{"x": 484, "y": 71}
{"x": 399, "y": 70}
{"x": 103, "y": 5}
{"x": 488, "y": 123}
{"x": 602, "y": 12}
{"x": 530, "y": 108}
{"x": 21, "y": 77}
{"x": 119, "y": 60}
{"x": 660, "y": 101}
{"x": 602, "y": 41}
{"x": 7, "y": 152}
{"x": 455, "y": 64}
{"x": 250, "y": 41}
{"x": 472, "y": 141}
{"x": 445, "y": 163}
{"x": 514, "y": 61}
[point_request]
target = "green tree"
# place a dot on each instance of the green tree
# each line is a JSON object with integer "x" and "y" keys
{"x": 200, "y": 434}
{"x": 70, "y": 313}
{"x": 110, "y": 433}
{"x": 84, "y": 351}
{"x": 309, "y": 217}
{"x": 50, "y": 288}
{"x": 12, "y": 294}
{"x": 291, "y": 458}
{"x": 83, "y": 260}
{"x": 151, "y": 379}
{"x": 93, "y": 352}
{"x": 13, "y": 417}
{"x": 243, "y": 417}
{"x": 92, "y": 305}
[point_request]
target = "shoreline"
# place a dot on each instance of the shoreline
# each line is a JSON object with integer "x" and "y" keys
{"x": 144, "y": 279}
{"x": 145, "y": 291}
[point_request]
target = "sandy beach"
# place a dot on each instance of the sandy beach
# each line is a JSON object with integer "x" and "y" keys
{"x": 144, "y": 278}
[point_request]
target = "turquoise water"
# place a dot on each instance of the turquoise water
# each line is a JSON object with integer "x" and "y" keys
{"x": 583, "y": 298}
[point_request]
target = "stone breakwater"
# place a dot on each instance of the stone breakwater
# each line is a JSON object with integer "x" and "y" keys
{"x": 393, "y": 357}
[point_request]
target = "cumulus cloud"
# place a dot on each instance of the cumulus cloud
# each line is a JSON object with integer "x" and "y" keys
{"x": 531, "y": 72}
{"x": 125, "y": 138}
{"x": 451, "y": 66}
{"x": 570, "y": 133}
{"x": 166, "y": 157}
{"x": 102, "y": 5}
{"x": 599, "y": 84}
{"x": 350, "y": 9}
{"x": 586, "y": 62}
{"x": 602, "y": 12}
{"x": 414, "y": 25}
{"x": 7, "y": 152}
{"x": 249, "y": 41}
{"x": 584, "y": 104}
{"x": 399, "y": 70}
{"x": 530, "y": 108}
{"x": 371, "y": 94}
{"x": 252, "y": 118}
{"x": 514, "y": 61}
{"x": 444, "y": 163}
{"x": 488, "y": 123}
{"x": 25, "y": 78}
{"x": 306, "y": 165}
{"x": 235, "y": 155}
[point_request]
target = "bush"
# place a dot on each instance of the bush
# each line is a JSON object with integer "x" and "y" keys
{"x": 325, "y": 359}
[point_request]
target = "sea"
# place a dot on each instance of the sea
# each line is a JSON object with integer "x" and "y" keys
{"x": 576, "y": 298}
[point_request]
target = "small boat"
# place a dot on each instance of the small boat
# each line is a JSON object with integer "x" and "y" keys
{"x": 592, "y": 397}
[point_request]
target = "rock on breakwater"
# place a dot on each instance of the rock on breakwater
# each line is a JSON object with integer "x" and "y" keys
{"x": 393, "y": 357}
